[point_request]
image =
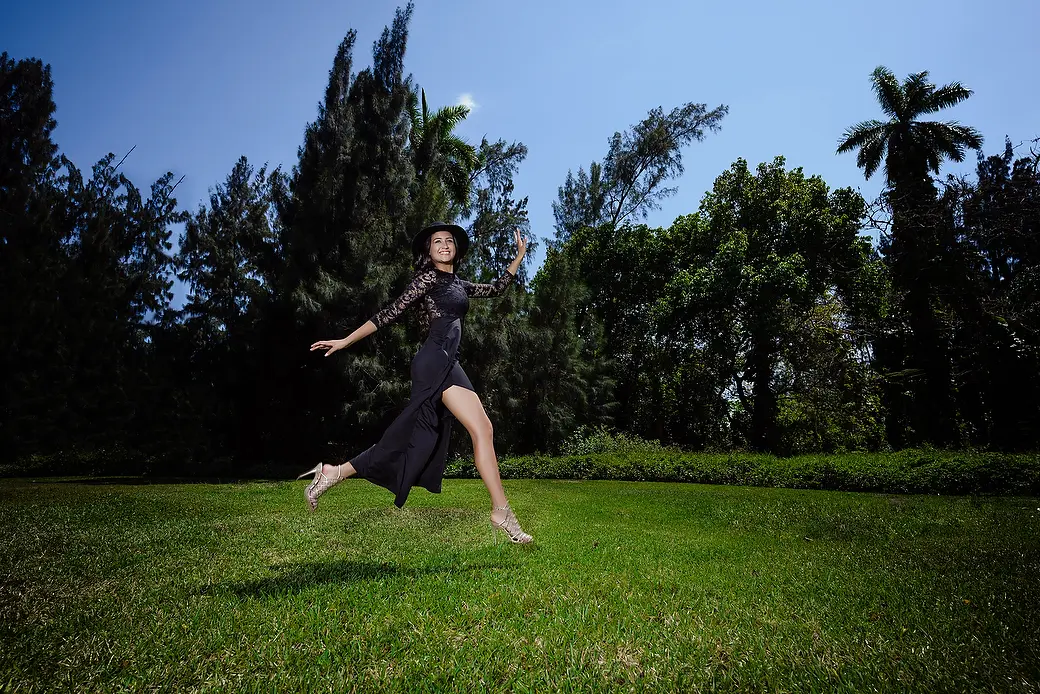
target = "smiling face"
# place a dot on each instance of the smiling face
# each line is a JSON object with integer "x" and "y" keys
{"x": 442, "y": 247}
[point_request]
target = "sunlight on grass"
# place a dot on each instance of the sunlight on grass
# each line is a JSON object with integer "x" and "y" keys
{"x": 630, "y": 585}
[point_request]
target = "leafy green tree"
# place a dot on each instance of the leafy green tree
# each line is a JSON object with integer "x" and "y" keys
{"x": 595, "y": 244}
{"x": 995, "y": 300}
{"x": 767, "y": 253}
{"x": 915, "y": 352}
{"x": 624, "y": 273}
{"x": 828, "y": 394}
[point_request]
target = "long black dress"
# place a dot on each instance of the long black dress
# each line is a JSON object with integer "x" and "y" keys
{"x": 413, "y": 450}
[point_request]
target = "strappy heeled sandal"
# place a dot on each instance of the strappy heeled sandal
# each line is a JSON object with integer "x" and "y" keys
{"x": 510, "y": 526}
{"x": 321, "y": 484}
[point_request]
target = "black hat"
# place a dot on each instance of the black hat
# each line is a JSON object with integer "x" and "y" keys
{"x": 461, "y": 239}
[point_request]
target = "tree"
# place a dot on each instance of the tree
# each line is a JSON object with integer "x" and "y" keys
{"x": 995, "y": 299}
{"x": 917, "y": 342}
{"x": 568, "y": 379}
{"x": 593, "y": 215}
{"x": 498, "y": 332}
{"x": 909, "y": 148}
{"x": 341, "y": 219}
{"x": 771, "y": 259}
{"x": 443, "y": 162}
{"x": 228, "y": 252}
{"x": 230, "y": 260}
{"x": 113, "y": 295}
{"x": 624, "y": 273}
{"x": 629, "y": 183}
{"x": 32, "y": 257}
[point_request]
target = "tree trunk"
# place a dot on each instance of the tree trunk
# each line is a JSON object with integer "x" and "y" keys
{"x": 763, "y": 413}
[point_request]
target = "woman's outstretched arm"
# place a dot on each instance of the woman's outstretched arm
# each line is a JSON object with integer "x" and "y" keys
{"x": 416, "y": 289}
{"x": 335, "y": 345}
{"x": 502, "y": 283}
{"x": 478, "y": 290}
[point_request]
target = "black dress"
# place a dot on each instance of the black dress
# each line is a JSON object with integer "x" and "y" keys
{"x": 413, "y": 450}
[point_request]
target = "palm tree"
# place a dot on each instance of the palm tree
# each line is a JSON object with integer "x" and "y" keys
{"x": 909, "y": 147}
{"x": 918, "y": 258}
{"x": 441, "y": 158}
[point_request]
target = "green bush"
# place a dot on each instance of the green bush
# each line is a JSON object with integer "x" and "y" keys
{"x": 910, "y": 471}
{"x": 588, "y": 441}
{"x": 102, "y": 460}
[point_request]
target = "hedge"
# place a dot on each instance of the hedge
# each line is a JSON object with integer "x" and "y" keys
{"x": 909, "y": 471}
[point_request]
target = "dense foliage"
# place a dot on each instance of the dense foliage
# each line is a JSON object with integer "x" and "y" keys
{"x": 764, "y": 320}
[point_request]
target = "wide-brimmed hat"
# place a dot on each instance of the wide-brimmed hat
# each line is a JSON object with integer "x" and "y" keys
{"x": 461, "y": 239}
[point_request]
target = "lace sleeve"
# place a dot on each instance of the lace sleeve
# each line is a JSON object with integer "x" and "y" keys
{"x": 418, "y": 287}
{"x": 482, "y": 291}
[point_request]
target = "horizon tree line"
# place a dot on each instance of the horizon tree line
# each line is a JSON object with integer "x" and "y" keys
{"x": 765, "y": 319}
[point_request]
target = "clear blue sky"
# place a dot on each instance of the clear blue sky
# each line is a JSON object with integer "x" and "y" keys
{"x": 196, "y": 84}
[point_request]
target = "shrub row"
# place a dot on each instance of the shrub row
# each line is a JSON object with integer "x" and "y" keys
{"x": 909, "y": 471}
{"x": 89, "y": 462}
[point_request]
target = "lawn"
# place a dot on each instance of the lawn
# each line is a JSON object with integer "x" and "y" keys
{"x": 631, "y": 586}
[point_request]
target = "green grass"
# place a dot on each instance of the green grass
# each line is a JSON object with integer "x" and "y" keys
{"x": 632, "y": 586}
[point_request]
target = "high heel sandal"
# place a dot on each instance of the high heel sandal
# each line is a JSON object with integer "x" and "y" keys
{"x": 321, "y": 484}
{"x": 510, "y": 526}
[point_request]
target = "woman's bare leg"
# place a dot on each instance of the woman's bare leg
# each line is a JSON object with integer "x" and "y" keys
{"x": 466, "y": 407}
{"x": 338, "y": 472}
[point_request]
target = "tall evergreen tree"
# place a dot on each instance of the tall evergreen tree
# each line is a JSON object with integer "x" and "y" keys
{"x": 85, "y": 263}
{"x": 498, "y": 331}
{"x": 341, "y": 215}
{"x": 495, "y": 213}
{"x": 630, "y": 182}
{"x": 32, "y": 258}
{"x": 117, "y": 285}
{"x": 228, "y": 253}
{"x": 230, "y": 260}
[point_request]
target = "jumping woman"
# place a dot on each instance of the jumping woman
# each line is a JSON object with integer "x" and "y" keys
{"x": 413, "y": 450}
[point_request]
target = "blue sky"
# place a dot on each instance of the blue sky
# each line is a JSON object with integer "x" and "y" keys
{"x": 196, "y": 84}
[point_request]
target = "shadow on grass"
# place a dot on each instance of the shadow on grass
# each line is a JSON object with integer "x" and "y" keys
{"x": 293, "y": 578}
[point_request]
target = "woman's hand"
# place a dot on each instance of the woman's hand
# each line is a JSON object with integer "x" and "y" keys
{"x": 521, "y": 245}
{"x": 331, "y": 345}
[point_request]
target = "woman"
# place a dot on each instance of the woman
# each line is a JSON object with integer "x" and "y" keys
{"x": 413, "y": 449}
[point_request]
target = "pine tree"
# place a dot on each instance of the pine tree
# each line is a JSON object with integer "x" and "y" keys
{"x": 341, "y": 215}
{"x": 32, "y": 258}
{"x": 230, "y": 260}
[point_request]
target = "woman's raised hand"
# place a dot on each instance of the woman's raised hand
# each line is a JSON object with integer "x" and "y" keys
{"x": 331, "y": 345}
{"x": 521, "y": 244}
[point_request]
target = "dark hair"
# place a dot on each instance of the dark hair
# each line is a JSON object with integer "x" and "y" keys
{"x": 424, "y": 262}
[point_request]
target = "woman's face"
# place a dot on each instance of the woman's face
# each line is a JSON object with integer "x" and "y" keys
{"x": 442, "y": 247}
